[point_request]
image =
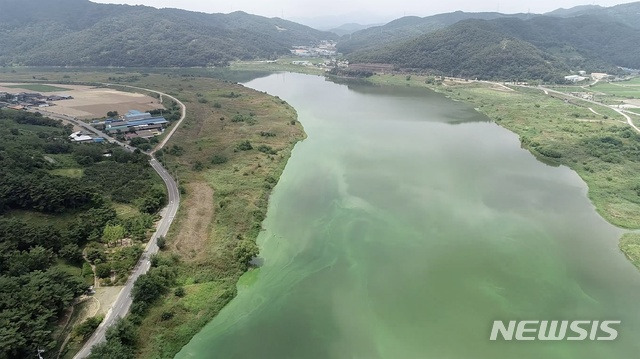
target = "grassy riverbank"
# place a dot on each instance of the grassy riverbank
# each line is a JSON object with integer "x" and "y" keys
{"x": 593, "y": 140}
{"x": 227, "y": 157}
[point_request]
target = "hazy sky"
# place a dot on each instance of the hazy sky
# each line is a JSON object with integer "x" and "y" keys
{"x": 363, "y": 9}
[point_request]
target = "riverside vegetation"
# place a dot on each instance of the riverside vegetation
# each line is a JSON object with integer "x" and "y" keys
{"x": 601, "y": 147}
{"x": 64, "y": 208}
{"x": 227, "y": 156}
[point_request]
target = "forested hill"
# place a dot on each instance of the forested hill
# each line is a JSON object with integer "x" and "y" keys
{"x": 509, "y": 48}
{"x": 628, "y": 14}
{"x": 470, "y": 49}
{"x": 409, "y": 27}
{"x": 79, "y": 32}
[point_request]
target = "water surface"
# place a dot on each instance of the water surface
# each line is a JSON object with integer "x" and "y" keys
{"x": 405, "y": 225}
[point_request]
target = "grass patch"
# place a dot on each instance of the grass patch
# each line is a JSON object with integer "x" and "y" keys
{"x": 39, "y": 87}
{"x": 59, "y": 221}
{"x": 125, "y": 211}
{"x": 282, "y": 64}
{"x": 68, "y": 172}
{"x": 630, "y": 246}
{"x": 618, "y": 89}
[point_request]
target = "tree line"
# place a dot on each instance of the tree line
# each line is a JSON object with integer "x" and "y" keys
{"x": 35, "y": 286}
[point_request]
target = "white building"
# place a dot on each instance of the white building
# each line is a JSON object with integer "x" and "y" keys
{"x": 80, "y": 137}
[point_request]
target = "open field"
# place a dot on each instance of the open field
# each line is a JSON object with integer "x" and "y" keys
{"x": 90, "y": 102}
{"x": 282, "y": 64}
{"x": 622, "y": 90}
{"x": 36, "y": 88}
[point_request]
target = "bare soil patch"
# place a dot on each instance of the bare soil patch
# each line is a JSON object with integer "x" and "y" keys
{"x": 191, "y": 240}
{"x": 91, "y": 102}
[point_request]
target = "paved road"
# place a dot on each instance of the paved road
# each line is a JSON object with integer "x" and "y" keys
{"x": 183, "y": 108}
{"x": 122, "y": 305}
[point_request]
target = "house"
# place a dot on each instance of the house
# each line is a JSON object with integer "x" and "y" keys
{"x": 600, "y": 76}
{"x": 80, "y": 136}
{"x": 146, "y": 133}
{"x": 136, "y": 115}
{"x": 575, "y": 78}
{"x": 59, "y": 97}
{"x": 136, "y": 120}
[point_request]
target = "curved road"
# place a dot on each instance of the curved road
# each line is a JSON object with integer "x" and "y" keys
{"x": 121, "y": 306}
{"x": 627, "y": 118}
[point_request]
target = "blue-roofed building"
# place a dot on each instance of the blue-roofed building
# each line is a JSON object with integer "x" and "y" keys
{"x": 135, "y": 125}
{"x": 136, "y": 115}
{"x": 148, "y": 121}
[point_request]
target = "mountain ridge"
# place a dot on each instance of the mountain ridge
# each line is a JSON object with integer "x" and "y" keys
{"x": 79, "y": 32}
{"x": 542, "y": 47}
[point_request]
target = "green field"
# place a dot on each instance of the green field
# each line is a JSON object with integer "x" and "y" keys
{"x": 39, "y": 87}
{"x": 623, "y": 90}
{"x": 282, "y": 64}
{"x": 630, "y": 245}
{"x": 68, "y": 172}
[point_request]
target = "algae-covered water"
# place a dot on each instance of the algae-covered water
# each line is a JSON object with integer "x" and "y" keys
{"x": 405, "y": 225}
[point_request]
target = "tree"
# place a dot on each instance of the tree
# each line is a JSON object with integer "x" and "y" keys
{"x": 111, "y": 350}
{"x": 112, "y": 234}
{"x": 87, "y": 327}
{"x": 71, "y": 253}
{"x": 162, "y": 242}
{"x": 246, "y": 251}
{"x": 112, "y": 114}
{"x": 123, "y": 331}
{"x": 103, "y": 270}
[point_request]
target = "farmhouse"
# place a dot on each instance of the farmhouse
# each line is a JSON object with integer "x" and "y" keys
{"x": 83, "y": 136}
{"x": 136, "y": 121}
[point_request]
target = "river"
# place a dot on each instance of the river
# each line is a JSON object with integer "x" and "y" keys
{"x": 405, "y": 225}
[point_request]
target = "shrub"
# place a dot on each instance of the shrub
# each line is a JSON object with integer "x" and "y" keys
{"x": 87, "y": 327}
{"x": 244, "y": 146}
{"x": 103, "y": 270}
{"x": 166, "y": 315}
{"x": 267, "y": 149}
{"x": 218, "y": 159}
{"x": 179, "y": 292}
{"x": 162, "y": 242}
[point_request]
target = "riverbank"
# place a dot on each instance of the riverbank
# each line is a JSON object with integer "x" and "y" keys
{"x": 592, "y": 140}
{"x": 228, "y": 156}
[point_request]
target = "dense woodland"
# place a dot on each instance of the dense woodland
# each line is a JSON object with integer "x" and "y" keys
{"x": 545, "y": 48}
{"x": 410, "y": 27}
{"x": 47, "y": 218}
{"x": 79, "y": 32}
{"x": 498, "y": 46}
{"x": 471, "y": 51}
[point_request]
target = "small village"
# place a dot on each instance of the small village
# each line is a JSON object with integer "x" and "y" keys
{"x": 25, "y": 100}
